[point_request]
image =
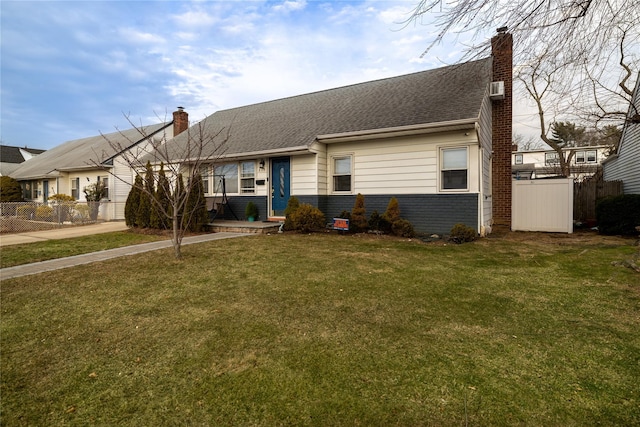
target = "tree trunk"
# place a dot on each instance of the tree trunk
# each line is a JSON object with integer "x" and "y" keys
{"x": 176, "y": 238}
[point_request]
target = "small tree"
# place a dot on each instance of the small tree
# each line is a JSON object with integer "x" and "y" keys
{"x": 132, "y": 203}
{"x": 392, "y": 214}
{"x": 184, "y": 154}
{"x": 10, "y": 190}
{"x": 94, "y": 193}
{"x": 358, "y": 222}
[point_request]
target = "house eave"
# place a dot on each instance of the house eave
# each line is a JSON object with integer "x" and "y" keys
{"x": 287, "y": 151}
{"x": 392, "y": 132}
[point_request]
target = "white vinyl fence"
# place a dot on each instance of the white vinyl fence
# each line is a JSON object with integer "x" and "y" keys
{"x": 542, "y": 205}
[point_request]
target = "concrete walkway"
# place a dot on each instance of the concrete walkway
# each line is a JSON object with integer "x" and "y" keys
{"x": 62, "y": 233}
{"x": 56, "y": 264}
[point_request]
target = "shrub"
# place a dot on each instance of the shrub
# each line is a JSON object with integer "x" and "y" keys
{"x": 63, "y": 205}
{"x": 82, "y": 213}
{"x": 619, "y": 214}
{"x": 196, "y": 216}
{"x": 307, "y": 218}
{"x": 374, "y": 220}
{"x": 460, "y": 233}
{"x": 358, "y": 221}
{"x": 403, "y": 228}
{"x": 44, "y": 213}
{"x": 10, "y": 190}
{"x": 143, "y": 213}
{"x": 133, "y": 200}
{"x": 292, "y": 205}
{"x": 251, "y": 210}
{"x": 392, "y": 214}
{"x": 26, "y": 211}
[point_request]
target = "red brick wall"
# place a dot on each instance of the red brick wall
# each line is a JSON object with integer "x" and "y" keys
{"x": 502, "y": 51}
{"x": 180, "y": 121}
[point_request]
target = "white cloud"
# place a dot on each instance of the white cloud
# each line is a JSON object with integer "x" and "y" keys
{"x": 290, "y": 6}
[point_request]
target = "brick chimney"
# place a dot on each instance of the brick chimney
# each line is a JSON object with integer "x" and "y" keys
{"x": 180, "y": 121}
{"x": 502, "y": 52}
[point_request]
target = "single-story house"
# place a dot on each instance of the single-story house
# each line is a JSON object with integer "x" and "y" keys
{"x": 70, "y": 167}
{"x": 624, "y": 164}
{"x": 437, "y": 140}
{"x": 11, "y": 157}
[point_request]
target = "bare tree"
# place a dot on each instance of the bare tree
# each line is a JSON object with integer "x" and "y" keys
{"x": 182, "y": 157}
{"x": 566, "y": 51}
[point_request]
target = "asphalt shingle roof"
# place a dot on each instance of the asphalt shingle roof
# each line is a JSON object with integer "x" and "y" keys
{"x": 12, "y": 154}
{"x": 81, "y": 153}
{"x": 433, "y": 96}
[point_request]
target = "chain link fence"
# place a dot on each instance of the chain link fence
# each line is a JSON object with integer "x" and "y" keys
{"x": 18, "y": 217}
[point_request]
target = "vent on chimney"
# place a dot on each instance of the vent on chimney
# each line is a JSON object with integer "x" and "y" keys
{"x": 496, "y": 91}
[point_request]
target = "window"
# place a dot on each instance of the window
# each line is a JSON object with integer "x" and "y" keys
{"x": 592, "y": 156}
{"x": 29, "y": 190}
{"x": 204, "y": 173}
{"x": 518, "y": 159}
{"x": 551, "y": 158}
{"x": 579, "y": 156}
{"x": 454, "y": 169}
{"x": 105, "y": 181}
{"x": 247, "y": 177}
{"x": 75, "y": 186}
{"x": 229, "y": 173}
{"x": 342, "y": 173}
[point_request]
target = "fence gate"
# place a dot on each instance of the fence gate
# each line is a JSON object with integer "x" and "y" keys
{"x": 542, "y": 205}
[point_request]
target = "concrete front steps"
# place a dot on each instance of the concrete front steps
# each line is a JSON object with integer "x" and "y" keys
{"x": 249, "y": 227}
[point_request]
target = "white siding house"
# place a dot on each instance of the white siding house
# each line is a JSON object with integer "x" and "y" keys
{"x": 425, "y": 138}
{"x": 584, "y": 163}
{"x": 624, "y": 165}
{"x": 73, "y": 165}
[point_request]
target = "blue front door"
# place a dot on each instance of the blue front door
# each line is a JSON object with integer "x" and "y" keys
{"x": 280, "y": 185}
{"x": 45, "y": 190}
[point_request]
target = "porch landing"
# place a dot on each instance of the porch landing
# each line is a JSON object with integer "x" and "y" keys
{"x": 255, "y": 227}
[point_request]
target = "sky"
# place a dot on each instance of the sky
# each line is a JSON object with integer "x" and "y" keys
{"x": 74, "y": 69}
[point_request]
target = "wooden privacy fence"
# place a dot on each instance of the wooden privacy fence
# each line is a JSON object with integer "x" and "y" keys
{"x": 588, "y": 192}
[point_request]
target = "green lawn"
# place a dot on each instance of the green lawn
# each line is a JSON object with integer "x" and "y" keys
{"x": 328, "y": 330}
{"x": 50, "y": 249}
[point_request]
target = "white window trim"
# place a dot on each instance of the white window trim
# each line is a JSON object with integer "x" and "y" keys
{"x": 518, "y": 159}
{"x": 333, "y": 159}
{"x": 241, "y": 177}
{"x": 439, "y": 183}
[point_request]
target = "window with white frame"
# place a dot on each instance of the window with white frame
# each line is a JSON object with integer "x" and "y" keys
{"x": 518, "y": 159}
{"x": 551, "y": 158}
{"x": 105, "y": 182}
{"x": 580, "y": 157}
{"x": 342, "y": 174}
{"x": 229, "y": 173}
{"x": 204, "y": 174}
{"x": 454, "y": 168}
{"x": 247, "y": 177}
{"x": 592, "y": 156}
{"x": 75, "y": 188}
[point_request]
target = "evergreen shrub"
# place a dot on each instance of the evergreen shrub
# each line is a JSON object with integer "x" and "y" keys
{"x": 307, "y": 218}
{"x": 358, "y": 222}
{"x": 403, "y": 228}
{"x": 461, "y": 233}
{"x": 292, "y": 205}
{"x": 619, "y": 214}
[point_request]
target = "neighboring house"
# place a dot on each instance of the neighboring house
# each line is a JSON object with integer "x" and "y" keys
{"x": 624, "y": 165}
{"x": 11, "y": 157}
{"x": 73, "y": 165}
{"x": 545, "y": 163}
{"x": 431, "y": 139}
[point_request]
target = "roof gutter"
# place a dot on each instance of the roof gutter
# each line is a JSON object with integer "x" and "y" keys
{"x": 288, "y": 151}
{"x": 392, "y": 132}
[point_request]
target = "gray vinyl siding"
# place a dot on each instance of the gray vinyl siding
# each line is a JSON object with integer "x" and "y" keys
{"x": 429, "y": 213}
{"x": 239, "y": 203}
{"x": 626, "y": 166}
